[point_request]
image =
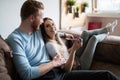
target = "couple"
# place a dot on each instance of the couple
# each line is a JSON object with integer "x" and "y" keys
{"x": 31, "y": 58}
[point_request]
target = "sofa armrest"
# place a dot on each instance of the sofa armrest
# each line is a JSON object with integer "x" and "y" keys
{"x": 112, "y": 40}
{"x": 108, "y": 50}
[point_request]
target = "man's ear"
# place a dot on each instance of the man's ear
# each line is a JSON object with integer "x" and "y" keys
{"x": 31, "y": 18}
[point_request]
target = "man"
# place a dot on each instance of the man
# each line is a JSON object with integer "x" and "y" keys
{"x": 29, "y": 53}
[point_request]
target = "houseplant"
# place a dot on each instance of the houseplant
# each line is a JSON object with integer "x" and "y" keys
{"x": 83, "y": 6}
{"x": 77, "y": 11}
{"x": 70, "y": 3}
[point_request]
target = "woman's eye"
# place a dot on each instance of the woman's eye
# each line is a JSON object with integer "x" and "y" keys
{"x": 50, "y": 25}
{"x": 47, "y": 25}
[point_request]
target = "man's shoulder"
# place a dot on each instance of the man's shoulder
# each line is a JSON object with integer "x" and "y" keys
{"x": 14, "y": 35}
{"x": 16, "y": 38}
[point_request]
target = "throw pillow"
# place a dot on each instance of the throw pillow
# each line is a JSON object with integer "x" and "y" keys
{"x": 4, "y": 46}
{"x": 6, "y": 61}
{"x": 3, "y": 70}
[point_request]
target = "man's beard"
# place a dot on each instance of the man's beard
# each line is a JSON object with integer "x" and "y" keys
{"x": 35, "y": 26}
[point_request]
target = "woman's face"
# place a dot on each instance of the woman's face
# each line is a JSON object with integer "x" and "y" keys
{"x": 50, "y": 28}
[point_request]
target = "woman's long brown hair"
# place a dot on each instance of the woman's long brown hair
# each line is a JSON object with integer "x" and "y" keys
{"x": 46, "y": 38}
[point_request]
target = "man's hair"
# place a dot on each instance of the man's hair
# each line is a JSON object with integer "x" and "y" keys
{"x": 30, "y": 7}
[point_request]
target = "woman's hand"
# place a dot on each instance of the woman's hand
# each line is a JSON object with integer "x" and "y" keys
{"x": 77, "y": 43}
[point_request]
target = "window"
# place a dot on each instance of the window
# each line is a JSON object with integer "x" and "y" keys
{"x": 103, "y": 6}
{"x": 106, "y": 6}
{"x": 109, "y": 6}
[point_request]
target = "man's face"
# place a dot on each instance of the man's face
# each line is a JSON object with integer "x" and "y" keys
{"x": 38, "y": 19}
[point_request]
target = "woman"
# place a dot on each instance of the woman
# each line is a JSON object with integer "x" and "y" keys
{"x": 84, "y": 54}
{"x": 55, "y": 45}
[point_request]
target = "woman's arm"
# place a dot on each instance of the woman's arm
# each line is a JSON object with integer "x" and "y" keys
{"x": 69, "y": 64}
{"x": 72, "y": 51}
{"x": 52, "y": 50}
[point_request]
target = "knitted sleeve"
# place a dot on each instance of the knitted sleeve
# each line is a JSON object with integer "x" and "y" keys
{"x": 51, "y": 48}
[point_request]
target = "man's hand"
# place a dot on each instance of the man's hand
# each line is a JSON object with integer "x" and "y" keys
{"x": 58, "y": 60}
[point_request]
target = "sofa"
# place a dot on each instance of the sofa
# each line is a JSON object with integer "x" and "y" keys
{"x": 106, "y": 58}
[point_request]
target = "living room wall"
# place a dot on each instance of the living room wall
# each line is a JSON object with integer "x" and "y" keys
{"x": 10, "y": 14}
